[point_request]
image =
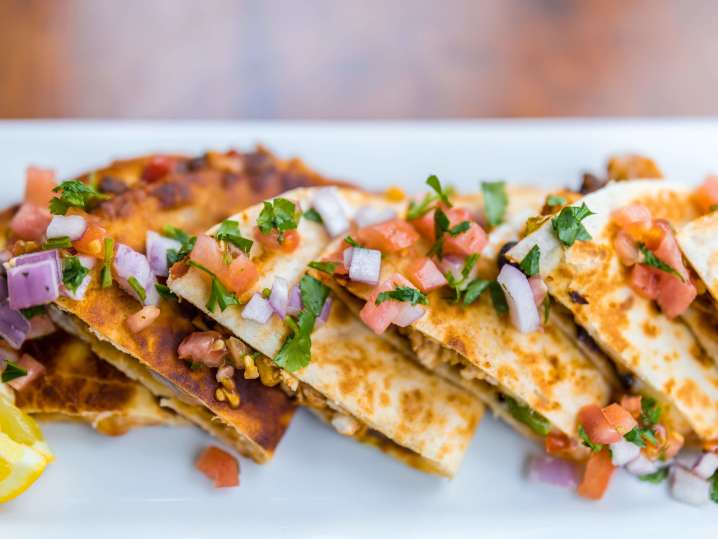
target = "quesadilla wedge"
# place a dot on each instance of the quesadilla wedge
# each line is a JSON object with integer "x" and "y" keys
{"x": 611, "y": 260}
{"x": 119, "y": 210}
{"x": 353, "y": 379}
{"x": 536, "y": 382}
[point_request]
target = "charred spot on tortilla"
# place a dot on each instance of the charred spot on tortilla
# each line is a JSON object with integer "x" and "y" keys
{"x": 112, "y": 185}
{"x": 577, "y": 298}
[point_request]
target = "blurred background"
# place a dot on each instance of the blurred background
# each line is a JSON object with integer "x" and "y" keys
{"x": 331, "y": 59}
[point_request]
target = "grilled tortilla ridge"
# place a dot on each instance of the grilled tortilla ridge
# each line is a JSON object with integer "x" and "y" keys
{"x": 665, "y": 358}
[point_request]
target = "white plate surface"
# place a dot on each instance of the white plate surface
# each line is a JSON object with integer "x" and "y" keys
{"x": 320, "y": 484}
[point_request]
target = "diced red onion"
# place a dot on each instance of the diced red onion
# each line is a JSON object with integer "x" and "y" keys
{"x": 642, "y": 466}
{"x": 295, "y": 301}
{"x": 365, "y": 266}
{"x": 454, "y": 264}
{"x": 129, "y": 263}
{"x": 257, "y": 309}
{"x": 538, "y": 288}
{"x": 326, "y": 310}
{"x": 623, "y": 452}
{"x": 156, "y": 247}
{"x": 279, "y": 298}
{"x": 41, "y": 325}
{"x": 687, "y": 487}
{"x": 545, "y": 469}
{"x": 706, "y": 466}
{"x": 373, "y": 215}
{"x": 329, "y": 204}
{"x": 14, "y": 327}
{"x": 408, "y": 315}
{"x": 520, "y": 298}
{"x": 688, "y": 457}
{"x": 72, "y": 226}
{"x": 34, "y": 369}
{"x": 32, "y": 284}
{"x": 79, "y": 294}
{"x": 347, "y": 256}
{"x": 52, "y": 255}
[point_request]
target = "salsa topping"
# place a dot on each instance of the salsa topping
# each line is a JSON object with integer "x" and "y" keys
{"x": 74, "y": 194}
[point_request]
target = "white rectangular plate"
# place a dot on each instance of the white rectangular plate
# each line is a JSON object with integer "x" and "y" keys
{"x": 321, "y": 484}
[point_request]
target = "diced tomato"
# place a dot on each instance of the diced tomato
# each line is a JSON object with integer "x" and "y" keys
{"x": 646, "y": 280}
{"x": 619, "y": 418}
{"x": 142, "y": 318}
{"x": 597, "y": 428}
{"x": 538, "y": 289}
{"x": 634, "y": 219}
{"x": 626, "y": 248}
{"x": 205, "y": 347}
{"x": 30, "y": 222}
{"x": 424, "y": 225}
{"x": 40, "y": 326}
{"x": 706, "y": 196}
{"x": 597, "y": 475}
{"x": 668, "y": 250}
{"x": 674, "y": 295}
{"x": 92, "y": 242}
{"x": 467, "y": 243}
{"x": 379, "y": 317}
{"x": 388, "y": 237}
{"x": 239, "y": 276}
{"x": 632, "y": 403}
{"x": 219, "y": 466}
{"x": 558, "y": 444}
{"x": 157, "y": 168}
{"x": 425, "y": 275}
{"x": 34, "y": 369}
{"x": 270, "y": 241}
{"x": 39, "y": 183}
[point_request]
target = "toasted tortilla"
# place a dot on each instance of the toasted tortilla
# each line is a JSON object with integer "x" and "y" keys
{"x": 475, "y": 347}
{"x": 413, "y": 415}
{"x": 663, "y": 354}
{"x": 198, "y": 193}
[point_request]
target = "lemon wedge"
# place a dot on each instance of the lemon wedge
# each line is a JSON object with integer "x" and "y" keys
{"x": 23, "y": 451}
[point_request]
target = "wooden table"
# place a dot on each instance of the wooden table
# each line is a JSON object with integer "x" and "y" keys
{"x": 357, "y": 59}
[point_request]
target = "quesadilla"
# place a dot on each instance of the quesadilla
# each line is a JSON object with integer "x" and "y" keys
{"x": 536, "y": 382}
{"x": 74, "y": 383}
{"x": 358, "y": 382}
{"x": 611, "y": 261}
{"x": 96, "y": 237}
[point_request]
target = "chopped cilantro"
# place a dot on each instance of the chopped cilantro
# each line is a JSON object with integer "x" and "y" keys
{"x": 546, "y": 308}
{"x": 403, "y": 293}
{"x": 555, "y": 200}
{"x": 475, "y": 289}
{"x": 62, "y": 242}
{"x": 12, "y": 371}
{"x": 314, "y": 293}
{"x": 74, "y": 194}
{"x": 650, "y": 259}
{"x": 530, "y": 264}
{"x": 496, "y": 201}
{"x": 351, "y": 241}
{"x": 567, "y": 224}
{"x": 186, "y": 241}
{"x": 280, "y": 215}
{"x": 640, "y": 435}
{"x": 461, "y": 285}
{"x": 441, "y": 193}
{"x": 106, "y": 274}
{"x": 33, "y": 311}
{"x": 137, "y": 287}
{"x": 714, "y": 487}
{"x": 587, "y": 441}
{"x": 650, "y": 411}
{"x": 326, "y": 267}
{"x": 417, "y": 210}
{"x": 266, "y": 292}
{"x": 218, "y": 295}
{"x": 529, "y": 417}
{"x": 164, "y": 291}
{"x": 459, "y": 229}
{"x": 229, "y": 231}
{"x": 73, "y": 273}
{"x": 498, "y": 298}
{"x": 656, "y": 477}
{"x": 313, "y": 215}
{"x": 441, "y": 225}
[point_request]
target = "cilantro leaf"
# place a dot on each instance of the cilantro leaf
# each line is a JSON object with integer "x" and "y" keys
{"x": 530, "y": 264}
{"x": 218, "y": 295}
{"x": 656, "y": 477}
{"x": 567, "y": 224}
{"x": 351, "y": 241}
{"x": 326, "y": 267}
{"x": 186, "y": 241}
{"x": 314, "y": 293}
{"x": 280, "y": 215}
{"x": 33, "y": 311}
{"x": 496, "y": 200}
{"x": 640, "y": 435}
{"x": 546, "y": 308}
{"x": 650, "y": 411}
{"x": 555, "y": 200}
{"x": 714, "y": 488}
{"x": 529, "y": 417}
{"x": 459, "y": 229}
{"x": 106, "y": 273}
{"x": 164, "y": 291}
{"x": 73, "y": 272}
{"x": 650, "y": 259}
{"x": 229, "y": 232}
{"x": 313, "y": 215}
{"x": 475, "y": 289}
{"x": 417, "y": 210}
{"x": 461, "y": 285}
{"x": 442, "y": 194}
{"x": 403, "y": 293}
{"x": 137, "y": 287}
{"x": 63, "y": 242}
{"x": 12, "y": 371}
{"x": 498, "y": 298}
{"x": 296, "y": 352}
{"x": 587, "y": 441}
{"x": 74, "y": 194}
{"x": 441, "y": 225}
